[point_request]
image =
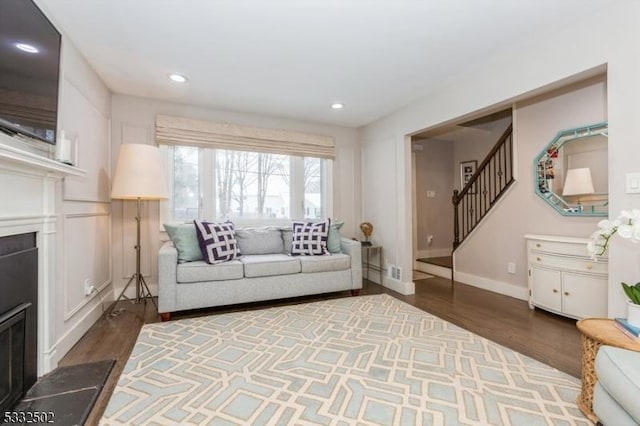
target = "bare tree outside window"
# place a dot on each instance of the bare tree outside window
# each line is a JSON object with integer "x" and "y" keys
{"x": 247, "y": 181}
{"x": 268, "y": 165}
{"x": 186, "y": 183}
{"x": 224, "y": 181}
{"x": 313, "y": 188}
{"x": 243, "y": 178}
{"x": 248, "y": 185}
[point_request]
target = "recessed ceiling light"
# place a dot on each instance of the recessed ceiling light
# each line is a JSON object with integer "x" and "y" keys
{"x": 337, "y": 105}
{"x": 27, "y": 48}
{"x": 178, "y": 78}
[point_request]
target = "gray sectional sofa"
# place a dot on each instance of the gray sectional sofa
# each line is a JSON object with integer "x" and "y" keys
{"x": 264, "y": 272}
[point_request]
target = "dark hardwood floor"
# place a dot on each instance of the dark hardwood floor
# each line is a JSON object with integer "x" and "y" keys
{"x": 546, "y": 337}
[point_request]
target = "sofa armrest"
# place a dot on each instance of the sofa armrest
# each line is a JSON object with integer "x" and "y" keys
{"x": 615, "y": 396}
{"x": 354, "y": 250}
{"x": 167, "y": 277}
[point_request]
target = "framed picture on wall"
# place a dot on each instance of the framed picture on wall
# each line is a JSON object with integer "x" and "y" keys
{"x": 467, "y": 169}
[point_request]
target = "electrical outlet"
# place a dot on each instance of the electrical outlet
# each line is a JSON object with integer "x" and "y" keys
{"x": 88, "y": 287}
{"x": 431, "y": 193}
{"x": 511, "y": 268}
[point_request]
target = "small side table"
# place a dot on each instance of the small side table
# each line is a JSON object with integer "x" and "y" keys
{"x": 367, "y": 252}
{"x": 595, "y": 333}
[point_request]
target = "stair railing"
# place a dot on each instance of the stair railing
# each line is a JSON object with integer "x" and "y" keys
{"x": 485, "y": 187}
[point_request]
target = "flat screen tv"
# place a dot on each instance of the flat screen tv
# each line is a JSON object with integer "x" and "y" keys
{"x": 29, "y": 70}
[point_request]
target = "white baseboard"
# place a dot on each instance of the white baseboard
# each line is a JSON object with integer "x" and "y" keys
{"x": 402, "y": 287}
{"x": 373, "y": 276}
{"x": 433, "y": 253}
{"x": 71, "y": 337}
{"x": 428, "y": 268}
{"x": 500, "y": 287}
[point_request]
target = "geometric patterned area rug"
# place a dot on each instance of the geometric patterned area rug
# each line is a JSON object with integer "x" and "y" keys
{"x": 356, "y": 360}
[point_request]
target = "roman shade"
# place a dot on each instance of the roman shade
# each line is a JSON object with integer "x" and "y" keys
{"x": 206, "y": 134}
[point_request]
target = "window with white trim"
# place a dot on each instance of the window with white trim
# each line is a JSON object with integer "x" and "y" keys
{"x": 248, "y": 188}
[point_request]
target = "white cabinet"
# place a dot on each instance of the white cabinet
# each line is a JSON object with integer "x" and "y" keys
{"x": 564, "y": 279}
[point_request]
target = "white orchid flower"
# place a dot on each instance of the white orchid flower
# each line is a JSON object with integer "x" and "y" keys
{"x": 627, "y": 225}
{"x": 626, "y": 214}
{"x": 625, "y": 231}
{"x": 636, "y": 232}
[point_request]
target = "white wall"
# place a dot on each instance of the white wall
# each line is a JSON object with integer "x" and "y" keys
{"x": 379, "y": 199}
{"x": 434, "y": 216}
{"x": 84, "y": 251}
{"x": 585, "y": 46}
{"x": 134, "y": 122}
{"x": 536, "y": 122}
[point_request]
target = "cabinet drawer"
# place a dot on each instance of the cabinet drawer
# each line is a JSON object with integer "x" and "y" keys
{"x": 571, "y": 249}
{"x": 568, "y": 263}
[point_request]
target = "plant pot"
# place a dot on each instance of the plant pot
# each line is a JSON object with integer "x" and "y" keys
{"x": 633, "y": 314}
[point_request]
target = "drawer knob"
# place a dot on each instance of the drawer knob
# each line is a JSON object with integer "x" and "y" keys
{"x": 566, "y": 293}
{"x": 589, "y": 266}
{"x": 538, "y": 245}
{"x": 555, "y": 291}
{"x": 538, "y": 259}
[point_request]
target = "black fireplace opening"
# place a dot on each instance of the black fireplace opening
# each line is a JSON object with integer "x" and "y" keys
{"x": 18, "y": 317}
{"x": 12, "y": 334}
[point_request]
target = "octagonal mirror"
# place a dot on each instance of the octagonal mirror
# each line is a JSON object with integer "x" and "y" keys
{"x": 571, "y": 172}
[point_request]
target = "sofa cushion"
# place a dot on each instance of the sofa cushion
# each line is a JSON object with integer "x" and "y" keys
{"x": 618, "y": 372}
{"x": 333, "y": 241}
{"x": 267, "y": 240}
{"x": 264, "y": 265}
{"x": 310, "y": 239}
{"x": 185, "y": 241}
{"x": 287, "y": 239}
{"x": 217, "y": 241}
{"x": 327, "y": 263}
{"x": 199, "y": 271}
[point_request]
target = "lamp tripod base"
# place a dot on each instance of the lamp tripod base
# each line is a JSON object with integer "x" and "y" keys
{"x": 142, "y": 293}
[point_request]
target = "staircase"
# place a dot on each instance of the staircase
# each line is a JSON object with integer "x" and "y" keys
{"x": 438, "y": 266}
{"x": 484, "y": 189}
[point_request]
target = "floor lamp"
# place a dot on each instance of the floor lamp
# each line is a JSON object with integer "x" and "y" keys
{"x": 139, "y": 176}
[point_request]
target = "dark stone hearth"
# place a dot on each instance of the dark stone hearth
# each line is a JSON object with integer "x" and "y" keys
{"x": 69, "y": 393}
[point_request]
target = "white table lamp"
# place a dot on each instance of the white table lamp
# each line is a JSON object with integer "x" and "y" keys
{"x": 578, "y": 182}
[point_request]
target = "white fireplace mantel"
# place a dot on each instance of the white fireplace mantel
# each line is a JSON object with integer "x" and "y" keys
{"x": 30, "y": 160}
{"x": 31, "y": 194}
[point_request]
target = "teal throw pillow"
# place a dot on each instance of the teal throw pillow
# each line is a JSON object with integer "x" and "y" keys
{"x": 185, "y": 240}
{"x": 333, "y": 242}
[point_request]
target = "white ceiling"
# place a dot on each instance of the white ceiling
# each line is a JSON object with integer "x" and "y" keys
{"x": 294, "y": 58}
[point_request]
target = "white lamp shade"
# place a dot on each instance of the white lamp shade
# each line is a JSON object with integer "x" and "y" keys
{"x": 139, "y": 174}
{"x": 578, "y": 182}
